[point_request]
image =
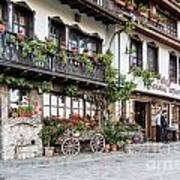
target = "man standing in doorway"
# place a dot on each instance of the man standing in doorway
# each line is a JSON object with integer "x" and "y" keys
{"x": 164, "y": 125}
{"x": 158, "y": 126}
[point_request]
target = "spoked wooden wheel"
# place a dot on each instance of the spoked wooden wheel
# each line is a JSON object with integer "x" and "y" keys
{"x": 97, "y": 143}
{"x": 70, "y": 147}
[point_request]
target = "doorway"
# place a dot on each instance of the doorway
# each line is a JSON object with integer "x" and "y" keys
{"x": 142, "y": 116}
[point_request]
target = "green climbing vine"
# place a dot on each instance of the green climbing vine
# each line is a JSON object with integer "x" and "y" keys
{"x": 147, "y": 76}
{"x": 44, "y": 86}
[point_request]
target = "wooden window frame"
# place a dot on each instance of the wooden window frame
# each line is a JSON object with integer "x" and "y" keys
{"x": 29, "y": 20}
{"x": 138, "y": 58}
{"x": 61, "y": 28}
{"x": 85, "y": 37}
{"x": 156, "y": 60}
{"x": 173, "y": 70}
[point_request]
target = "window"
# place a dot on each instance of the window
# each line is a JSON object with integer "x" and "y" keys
{"x": 135, "y": 53}
{"x": 62, "y": 106}
{"x": 1, "y": 12}
{"x": 152, "y": 56}
{"x": 173, "y": 68}
{"x": 81, "y": 42}
{"x": 18, "y": 99}
{"x": 57, "y": 32}
{"x": 23, "y": 21}
{"x": 175, "y": 114}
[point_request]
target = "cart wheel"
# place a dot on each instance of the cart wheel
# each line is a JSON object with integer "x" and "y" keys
{"x": 70, "y": 147}
{"x": 97, "y": 143}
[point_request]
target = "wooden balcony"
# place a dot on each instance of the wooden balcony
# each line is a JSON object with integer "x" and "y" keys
{"x": 101, "y": 10}
{"x": 12, "y": 61}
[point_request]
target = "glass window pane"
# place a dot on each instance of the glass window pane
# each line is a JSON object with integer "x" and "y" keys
{"x": 15, "y": 28}
{"x": 1, "y": 15}
{"x": 46, "y": 111}
{"x": 61, "y": 101}
{"x": 22, "y": 20}
{"x": 68, "y": 102}
{"x": 81, "y": 104}
{"x": 61, "y": 112}
{"x": 75, "y": 103}
{"x": 81, "y": 112}
{"x": 46, "y": 99}
{"x": 75, "y": 111}
{"x": 53, "y": 100}
{"x": 54, "y": 111}
{"x": 68, "y": 113}
{"x": 14, "y": 95}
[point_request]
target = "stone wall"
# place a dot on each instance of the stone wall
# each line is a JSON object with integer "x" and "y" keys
{"x": 20, "y": 136}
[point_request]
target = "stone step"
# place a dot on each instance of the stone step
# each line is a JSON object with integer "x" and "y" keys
{"x": 152, "y": 147}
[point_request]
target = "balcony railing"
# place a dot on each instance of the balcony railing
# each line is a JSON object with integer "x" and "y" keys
{"x": 11, "y": 55}
{"x": 106, "y": 4}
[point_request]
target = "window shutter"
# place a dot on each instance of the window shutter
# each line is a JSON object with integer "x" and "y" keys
{"x": 31, "y": 25}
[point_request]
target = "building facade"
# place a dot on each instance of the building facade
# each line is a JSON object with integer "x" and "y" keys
{"x": 75, "y": 27}
{"x": 154, "y": 45}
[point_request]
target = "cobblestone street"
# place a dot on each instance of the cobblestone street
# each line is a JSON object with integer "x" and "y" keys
{"x": 116, "y": 166}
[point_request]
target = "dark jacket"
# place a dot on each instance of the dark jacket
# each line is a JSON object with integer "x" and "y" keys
{"x": 164, "y": 123}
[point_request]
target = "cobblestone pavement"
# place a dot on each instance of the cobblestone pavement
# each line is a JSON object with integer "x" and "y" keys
{"x": 116, "y": 166}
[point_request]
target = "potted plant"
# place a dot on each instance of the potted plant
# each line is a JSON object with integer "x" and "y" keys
{"x": 131, "y": 5}
{"x": 86, "y": 51}
{"x": 2, "y": 26}
{"x": 63, "y": 45}
{"x": 154, "y": 17}
{"x": 142, "y": 10}
{"x": 75, "y": 50}
{"x": 50, "y": 133}
{"x": 121, "y": 2}
{"x": 20, "y": 36}
{"x": 110, "y": 134}
{"x": 107, "y": 148}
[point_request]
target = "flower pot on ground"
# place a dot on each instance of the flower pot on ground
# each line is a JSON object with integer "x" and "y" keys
{"x": 49, "y": 151}
{"x": 114, "y": 147}
{"x": 50, "y": 133}
{"x": 2, "y": 26}
{"x": 107, "y": 148}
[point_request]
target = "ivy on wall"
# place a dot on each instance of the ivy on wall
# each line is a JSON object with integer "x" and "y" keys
{"x": 44, "y": 86}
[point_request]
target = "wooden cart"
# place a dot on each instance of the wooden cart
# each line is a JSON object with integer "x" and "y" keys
{"x": 71, "y": 142}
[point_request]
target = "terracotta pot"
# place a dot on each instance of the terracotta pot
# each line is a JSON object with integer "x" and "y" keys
{"x": 107, "y": 148}
{"x": 130, "y": 7}
{"x": 2, "y": 28}
{"x": 114, "y": 147}
{"x": 20, "y": 37}
{"x": 49, "y": 151}
{"x": 121, "y": 2}
{"x": 77, "y": 134}
{"x": 143, "y": 14}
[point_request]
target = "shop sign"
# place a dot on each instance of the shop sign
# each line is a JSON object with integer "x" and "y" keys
{"x": 165, "y": 86}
